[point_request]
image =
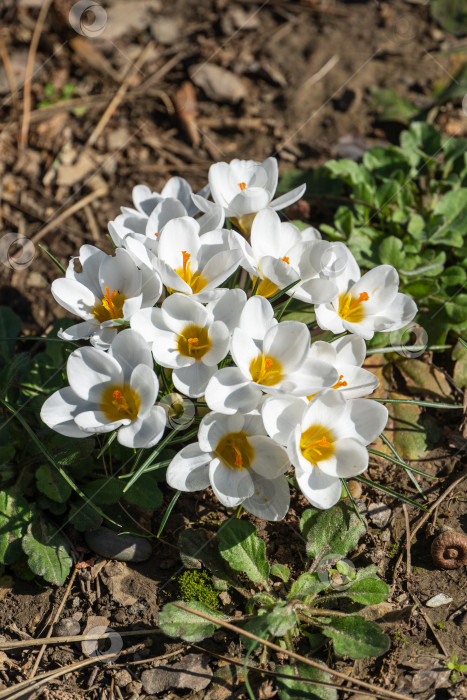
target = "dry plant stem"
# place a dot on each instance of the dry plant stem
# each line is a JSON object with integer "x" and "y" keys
{"x": 429, "y": 623}
{"x": 56, "y": 616}
{"x": 274, "y": 674}
{"x": 9, "y": 73}
{"x": 113, "y": 104}
{"x": 298, "y": 657}
{"x": 24, "y": 643}
{"x": 408, "y": 540}
{"x": 23, "y": 140}
{"x": 67, "y": 213}
{"x": 424, "y": 518}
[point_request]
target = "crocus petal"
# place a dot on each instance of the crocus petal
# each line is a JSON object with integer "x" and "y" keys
{"x": 81, "y": 331}
{"x": 369, "y": 419}
{"x": 270, "y": 460}
{"x": 351, "y": 459}
{"x": 266, "y": 232}
{"x": 180, "y": 311}
{"x": 59, "y": 411}
{"x": 289, "y": 198}
{"x": 327, "y": 409}
{"x": 89, "y": 369}
{"x": 381, "y": 285}
{"x": 321, "y": 490}
{"x": 147, "y": 322}
{"x": 220, "y": 341}
{"x": 177, "y": 236}
{"x": 327, "y": 318}
{"x": 244, "y": 351}
{"x": 144, "y": 431}
{"x": 120, "y": 273}
{"x": 165, "y": 211}
{"x": 214, "y": 426}
{"x": 288, "y": 342}
{"x": 95, "y": 421}
{"x": 271, "y": 498}
{"x": 145, "y": 200}
{"x": 194, "y": 379}
{"x": 178, "y": 188}
{"x": 130, "y": 349}
{"x": 74, "y": 297}
{"x": 360, "y": 382}
{"x": 144, "y": 381}
{"x": 228, "y": 308}
{"x": 312, "y": 376}
{"x": 350, "y": 350}
{"x": 189, "y": 469}
{"x": 231, "y": 486}
{"x": 257, "y": 317}
{"x": 401, "y": 311}
{"x": 314, "y": 291}
{"x": 280, "y": 416}
{"x": 228, "y": 392}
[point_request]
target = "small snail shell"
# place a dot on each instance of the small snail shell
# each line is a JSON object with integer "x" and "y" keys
{"x": 449, "y": 550}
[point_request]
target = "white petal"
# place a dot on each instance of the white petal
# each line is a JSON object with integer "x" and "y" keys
{"x": 281, "y": 415}
{"x": 271, "y": 170}
{"x": 145, "y": 200}
{"x": 219, "y": 181}
{"x": 369, "y": 419}
{"x": 228, "y": 308}
{"x": 360, "y": 382}
{"x": 248, "y": 201}
{"x": 401, "y": 311}
{"x": 350, "y": 350}
{"x": 289, "y": 198}
{"x": 288, "y": 342}
{"x": 130, "y": 349}
{"x": 144, "y": 432}
{"x": 326, "y": 409}
{"x": 103, "y": 337}
{"x": 381, "y": 284}
{"x": 151, "y": 287}
{"x": 321, "y": 490}
{"x": 219, "y": 267}
{"x": 231, "y": 486}
{"x": 328, "y": 319}
{"x": 326, "y": 352}
{"x": 214, "y": 426}
{"x": 189, "y": 469}
{"x": 312, "y": 376}
{"x": 314, "y": 291}
{"x": 278, "y": 272}
{"x": 266, "y": 236}
{"x": 220, "y": 341}
{"x": 147, "y": 322}
{"x": 120, "y": 273}
{"x": 270, "y": 459}
{"x": 257, "y": 317}
{"x": 194, "y": 379}
{"x": 180, "y": 311}
{"x": 144, "y": 381}
{"x": 95, "y": 421}
{"x": 166, "y": 352}
{"x": 271, "y": 498}
{"x": 59, "y": 410}
{"x": 164, "y": 212}
{"x": 228, "y": 392}
{"x": 74, "y": 297}
{"x": 244, "y": 351}
{"x": 179, "y": 235}
{"x": 82, "y": 331}
{"x": 178, "y": 188}
{"x": 89, "y": 370}
{"x": 295, "y": 454}
{"x": 351, "y": 459}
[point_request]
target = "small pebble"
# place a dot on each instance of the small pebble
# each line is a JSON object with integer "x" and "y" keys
{"x": 379, "y": 513}
{"x": 111, "y": 545}
{"x": 437, "y": 600}
{"x": 67, "y": 628}
{"x": 122, "y": 678}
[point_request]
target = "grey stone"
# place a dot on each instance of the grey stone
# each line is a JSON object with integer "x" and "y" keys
{"x": 111, "y": 545}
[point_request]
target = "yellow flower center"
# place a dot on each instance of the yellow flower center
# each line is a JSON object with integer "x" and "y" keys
{"x": 244, "y": 223}
{"x": 194, "y": 342}
{"x": 350, "y": 308}
{"x": 265, "y": 288}
{"x": 340, "y": 382}
{"x": 110, "y": 307}
{"x": 120, "y": 402}
{"x": 266, "y": 370}
{"x": 316, "y": 444}
{"x": 193, "y": 279}
{"x": 235, "y": 451}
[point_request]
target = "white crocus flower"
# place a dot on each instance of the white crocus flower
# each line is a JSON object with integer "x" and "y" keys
{"x": 193, "y": 264}
{"x": 243, "y": 465}
{"x": 347, "y": 355}
{"x": 187, "y": 338}
{"x": 243, "y": 187}
{"x": 365, "y": 305}
{"x": 109, "y": 289}
{"x": 271, "y": 357}
{"x": 325, "y": 439}
{"x": 280, "y": 254}
{"x": 113, "y": 390}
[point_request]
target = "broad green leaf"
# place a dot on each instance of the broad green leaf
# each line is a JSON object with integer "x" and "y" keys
{"x": 280, "y": 571}
{"x": 83, "y": 517}
{"x": 382, "y": 161}
{"x": 291, "y": 689}
{"x": 179, "y": 623}
{"x": 393, "y": 107}
{"x": 50, "y": 482}
{"x": 281, "y": 620}
{"x": 391, "y": 251}
{"x": 244, "y": 550}
{"x": 423, "y": 136}
{"x": 368, "y": 591}
{"x": 263, "y": 600}
{"x": 104, "y": 491}
{"x": 420, "y": 289}
{"x": 48, "y": 552}
{"x": 355, "y": 637}
{"x": 258, "y": 625}
{"x": 15, "y": 516}
{"x": 145, "y": 493}
{"x": 338, "y": 529}
{"x": 451, "y": 14}
{"x": 197, "y": 548}
{"x": 10, "y": 327}
{"x": 308, "y": 585}
{"x": 453, "y": 207}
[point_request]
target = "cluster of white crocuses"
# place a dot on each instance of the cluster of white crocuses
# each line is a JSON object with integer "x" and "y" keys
{"x": 192, "y": 302}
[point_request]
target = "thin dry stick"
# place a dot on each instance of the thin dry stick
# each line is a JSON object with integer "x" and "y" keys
{"x": 25, "y": 643}
{"x": 9, "y": 73}
{"x": 425, "y": 517}
{"x": 24, "y": 686}
{"x": 408, "y": 540}
{"x": 429, "y": 623}
{"x": 309, "y": 662}
{"x": 275, "y": 674}
{"x": 67, "y": 213}
{"x": 113, "y": 104}
{"x": 29, "y": 71}
{"x": 56, "y": 616}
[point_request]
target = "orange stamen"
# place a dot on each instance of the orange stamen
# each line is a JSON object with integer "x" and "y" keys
{"x": 268, "y": 363}
{"x": 363, "y": 296}
{"x": 286, "y": 259}
{"x": 339, "y": 383}
{"x": 186, "y": 257}
{"x": 193, "y": 341}
{"x": 117, "y": 395}
{"x": 109, "y": 297}
{"x": 242, "y": 185}
{"x": 238, "y": 457}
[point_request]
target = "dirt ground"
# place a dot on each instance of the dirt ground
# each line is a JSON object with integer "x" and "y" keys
{"x": 144, "y": 108}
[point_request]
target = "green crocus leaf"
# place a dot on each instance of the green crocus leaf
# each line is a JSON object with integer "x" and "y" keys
{"x": 244, "y": 550}
{"x": 355, "y": 637}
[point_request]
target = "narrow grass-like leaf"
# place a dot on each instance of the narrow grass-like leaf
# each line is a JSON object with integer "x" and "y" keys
{"x": 427, "y": 404}
{"x": 108, "y": 442}
{"x": 278, "y": 294}
{"x": 149, "y": 461}
{"x": 391, "y": 492}
{"x": 167, "y": 513}
{"x": 404, "y": 465}
{"x": 54, "y": 260}
{"x": 405, "y": 348}
{"x": 401, "y": 464}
